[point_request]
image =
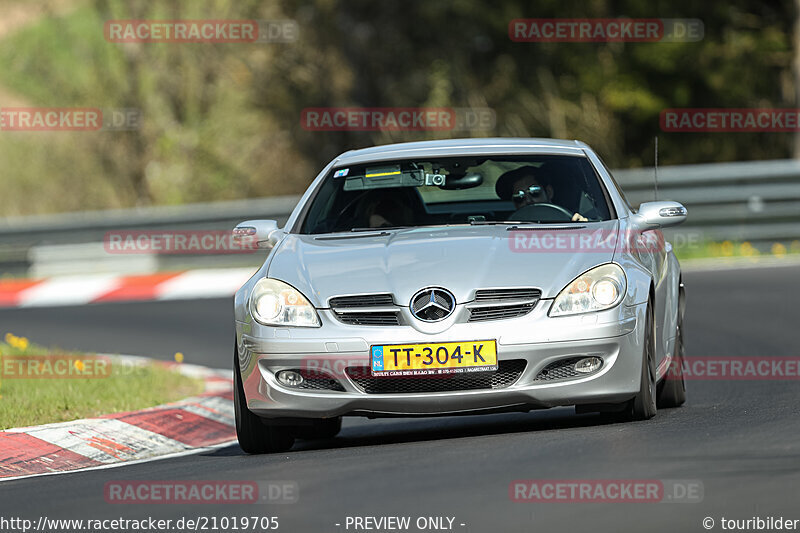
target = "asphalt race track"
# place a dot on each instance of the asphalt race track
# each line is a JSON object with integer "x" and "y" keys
{"x": 740, "y": 439}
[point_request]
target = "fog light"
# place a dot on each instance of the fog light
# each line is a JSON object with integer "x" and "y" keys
{"x": 587, "y": 365}
{"x": 290, "y": 378}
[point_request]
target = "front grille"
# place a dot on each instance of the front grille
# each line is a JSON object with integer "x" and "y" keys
{"x": 318, "y": 381}
{"x": 501, "y": 304}
{"x": 506, "y": 294}
{"x": 481, "y": 314}
{"x": 361, "y": 300}
{"x": 365, "y": 310}
{"x": 507, "y": 374}
{"x": 369, "y": 319}
{"x": 562, "y": 369}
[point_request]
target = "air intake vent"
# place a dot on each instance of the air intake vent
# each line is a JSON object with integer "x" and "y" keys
{"x": 561, "y": 369}
{"x": 313, "y": 380}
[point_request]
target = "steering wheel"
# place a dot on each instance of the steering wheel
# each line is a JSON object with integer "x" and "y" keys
{"x": 343, "y": 212}
{"x": 547, "y": 212}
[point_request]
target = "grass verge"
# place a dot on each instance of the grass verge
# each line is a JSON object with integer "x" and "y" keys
{"x": 40, "y": 386}
{"x": 707, "y": 250}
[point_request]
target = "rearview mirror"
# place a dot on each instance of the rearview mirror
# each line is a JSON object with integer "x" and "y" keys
{"x": 653, "y": 215}
{"x": 265, "y": 233}
{"x": 465, "y": 181}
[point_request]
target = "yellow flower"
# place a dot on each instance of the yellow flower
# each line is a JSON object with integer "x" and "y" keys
{"x": 78, "y": 364}
{"x": 178, "y": 357}
{"x": 747, "y": 249}
{"x": 22, "y": 343}
{"x": 778, "y": 249}
{"x": 19, "y": 343}
{"x": 727, "y": 248}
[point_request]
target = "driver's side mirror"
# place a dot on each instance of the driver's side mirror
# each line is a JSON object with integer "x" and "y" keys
{"x": 257, "y": 233}
{"x": 654, "y": 215}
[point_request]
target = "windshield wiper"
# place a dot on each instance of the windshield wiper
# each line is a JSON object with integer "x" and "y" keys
{"x": 518, "y": 222}
{"x": 499, "y": 222}
{"x": 338, "y": 236}
{"x": 381, "y": 228}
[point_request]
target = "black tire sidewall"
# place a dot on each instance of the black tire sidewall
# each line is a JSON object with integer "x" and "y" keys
{"x": 644, "y": 404}
{"x": 253, "y": 434}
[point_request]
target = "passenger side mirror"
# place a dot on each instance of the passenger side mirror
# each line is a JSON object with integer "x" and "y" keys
{"x": 257, "y": 233}
{"x": 654, "y": 215}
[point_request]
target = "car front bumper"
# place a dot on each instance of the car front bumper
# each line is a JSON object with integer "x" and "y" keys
{"x": 535, "y": 338}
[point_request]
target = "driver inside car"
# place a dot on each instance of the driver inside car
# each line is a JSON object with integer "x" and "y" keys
{"x": 524, "y": 188}
{"x": 389, "y": 208}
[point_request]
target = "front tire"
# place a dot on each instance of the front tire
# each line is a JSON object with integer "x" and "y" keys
{"x": 255, "y": 434}
{"x": 672, "y": 390}
{"x": 643, "y": 405}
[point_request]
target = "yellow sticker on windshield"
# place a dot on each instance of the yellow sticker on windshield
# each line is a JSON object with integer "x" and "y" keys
{"x": 393, "y": 170}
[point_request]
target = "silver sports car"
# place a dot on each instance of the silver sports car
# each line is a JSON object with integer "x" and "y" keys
{"x": 457, "y": 277}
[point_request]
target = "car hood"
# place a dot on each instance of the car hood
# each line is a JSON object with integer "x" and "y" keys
{"x": 458, "y": 258}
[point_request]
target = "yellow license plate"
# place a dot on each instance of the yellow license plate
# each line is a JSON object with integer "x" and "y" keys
{"x": 436, "y": 358}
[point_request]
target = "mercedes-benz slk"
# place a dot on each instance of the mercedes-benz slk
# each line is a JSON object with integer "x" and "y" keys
{"x": 457, "y": 277}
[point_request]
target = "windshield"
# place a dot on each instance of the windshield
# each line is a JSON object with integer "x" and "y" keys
{"x": 457, "y": 190}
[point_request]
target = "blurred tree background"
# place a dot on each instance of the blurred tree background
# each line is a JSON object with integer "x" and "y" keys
{"x": 222, "y": 121}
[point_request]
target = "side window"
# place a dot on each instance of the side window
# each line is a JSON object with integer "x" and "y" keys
{"x": 616, "y": 185}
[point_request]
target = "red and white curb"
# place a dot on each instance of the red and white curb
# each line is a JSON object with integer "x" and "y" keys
{"x": 98, "y": 288}
{"x": 185, "y": 426}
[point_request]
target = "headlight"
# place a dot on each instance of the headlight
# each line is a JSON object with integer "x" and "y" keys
{"x": 601, "y": 288}
{"x": 274, "y": 303}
